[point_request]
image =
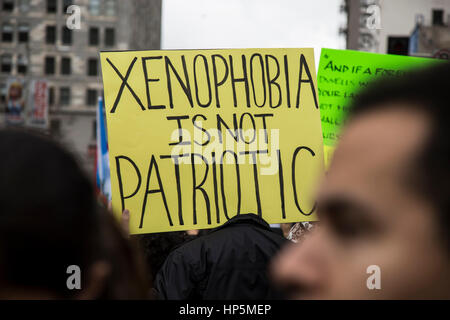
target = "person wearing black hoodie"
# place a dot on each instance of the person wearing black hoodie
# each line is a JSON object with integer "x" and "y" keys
{"x": 230, "y": 262}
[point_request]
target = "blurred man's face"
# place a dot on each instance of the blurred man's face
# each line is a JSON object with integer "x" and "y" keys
{"x": 370, "y": 216}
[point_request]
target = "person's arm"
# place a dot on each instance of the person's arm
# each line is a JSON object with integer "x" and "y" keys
{"x": 125, "y": 222}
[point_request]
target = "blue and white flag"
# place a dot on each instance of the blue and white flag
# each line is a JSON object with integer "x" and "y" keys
{"x": 103, "y": 174}
{"x": 413, "y": 46}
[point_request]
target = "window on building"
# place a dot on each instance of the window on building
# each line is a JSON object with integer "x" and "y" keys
{"x": 66, "y": 4}
{"x": 438, "y": 17}
{"x": 52, "y": 6}
{"x": 66, "y": 36}
{"x": 7, "y": 32}
{"x": 49, "y": 65}
{"x": 8, "y": 5}
{"x": 23, "y": 30}
{"x": 91, "y": 97}
{"x": 94, "y": 7}
{"x": 24, "y": 5}
{"x": 110, "y": 7}
{"x": 92, "y": 67}
{"x": 50, "y": 34}
{"x": 93, "y": 36}
{"x": 66, "y": 67}
{"x": 51, "y": 96}
{"x": 22, "y": 64}
{"x": 2, "y": 92}
{"x": 6, "y": 63}
{"x": 64, "y": 96}
{"x": 110, "y": 37}
{"x": 398, "y": 45}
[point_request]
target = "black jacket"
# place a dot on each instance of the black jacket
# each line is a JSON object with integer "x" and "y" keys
{"x": 229, "y": 263}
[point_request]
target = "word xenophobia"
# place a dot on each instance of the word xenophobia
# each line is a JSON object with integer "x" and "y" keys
{"x": 259, "y": 75}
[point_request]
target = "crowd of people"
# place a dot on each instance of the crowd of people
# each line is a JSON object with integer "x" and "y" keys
{"x": 384, "y": 201}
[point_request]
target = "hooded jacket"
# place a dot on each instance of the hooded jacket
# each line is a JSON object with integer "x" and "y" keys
{"x": 229, "y": 263}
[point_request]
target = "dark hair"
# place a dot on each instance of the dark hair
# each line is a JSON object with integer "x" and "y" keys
{"x": 157, "y": 246}
{"x": 47, "y": 213}
{"x": 128, "y": 277}
{"x": 49, "y": 220}
{"x": 426, "y": 90}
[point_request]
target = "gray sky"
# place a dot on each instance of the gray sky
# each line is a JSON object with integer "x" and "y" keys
{"x": 205, "y": 24}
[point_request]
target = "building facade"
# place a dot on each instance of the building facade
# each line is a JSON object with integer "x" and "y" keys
{"x": 386, "y": 26}
{"x": 40, "y": 39}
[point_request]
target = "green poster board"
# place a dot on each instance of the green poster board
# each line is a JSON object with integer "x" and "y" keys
{"x": 342, "y": 73}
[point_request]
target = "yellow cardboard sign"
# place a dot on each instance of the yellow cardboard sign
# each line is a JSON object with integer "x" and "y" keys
{"x": 199, "y": 136}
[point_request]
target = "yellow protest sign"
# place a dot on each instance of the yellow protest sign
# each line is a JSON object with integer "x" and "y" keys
{"x": 198, "y": 136}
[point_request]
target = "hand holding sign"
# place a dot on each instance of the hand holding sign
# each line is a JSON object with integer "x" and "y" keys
{"x": 125, "y": 222}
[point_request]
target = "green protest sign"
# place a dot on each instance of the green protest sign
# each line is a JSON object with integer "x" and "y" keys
{"x": 342, "y": 73}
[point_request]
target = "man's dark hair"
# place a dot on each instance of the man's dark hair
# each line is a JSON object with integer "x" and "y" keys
{"x": 48, "y": 217}
{"x": 50, "y": 220}
{"x": 157, "y": 246}
{"x": 426, "y": 90}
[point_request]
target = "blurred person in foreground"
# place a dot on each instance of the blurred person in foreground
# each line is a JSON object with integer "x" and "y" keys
{"x": 49, "y": 220}
{"x": 385, "y": 200}
{"x": 230, "y": 262}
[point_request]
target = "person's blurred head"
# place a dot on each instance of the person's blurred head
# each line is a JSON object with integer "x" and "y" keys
{"x": 49, "y": 221}
{"x": 385, "y": 200}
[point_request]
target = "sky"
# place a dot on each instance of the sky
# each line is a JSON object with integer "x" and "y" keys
{"x": 209, "y": 24}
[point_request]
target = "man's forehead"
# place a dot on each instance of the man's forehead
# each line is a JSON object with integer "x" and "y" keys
{"x": 380, "y": 143}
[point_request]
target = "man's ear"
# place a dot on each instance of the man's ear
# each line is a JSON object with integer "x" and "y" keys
{"x": 97, "y": 276}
